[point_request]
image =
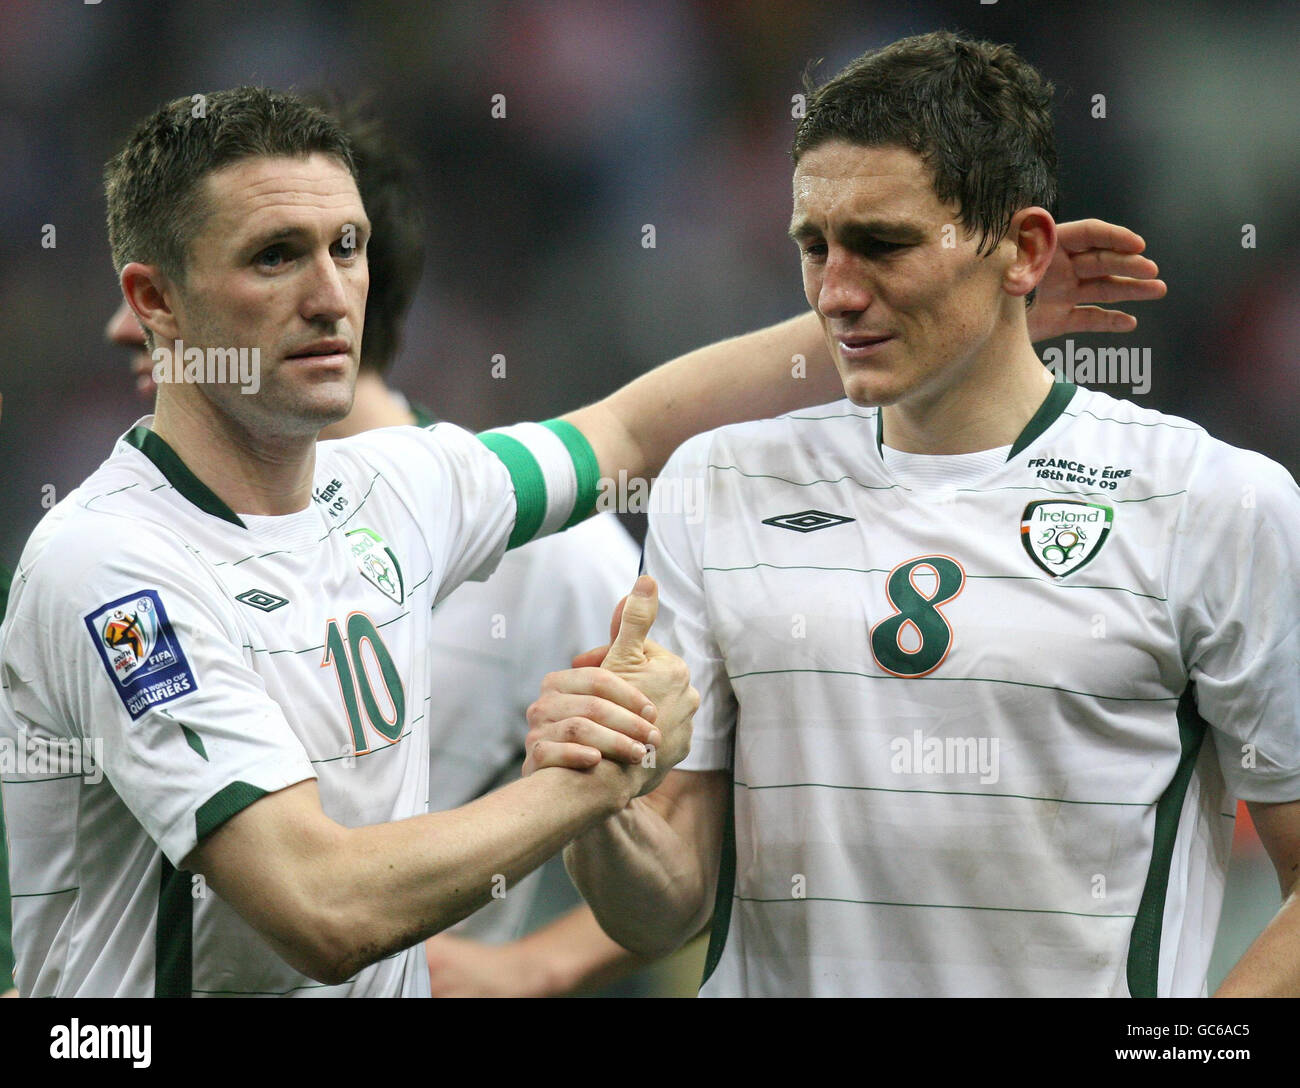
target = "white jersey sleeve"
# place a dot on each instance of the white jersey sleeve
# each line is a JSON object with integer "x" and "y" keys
{"x": 128, "y": 649}
{"x": 674, "y": 557}
{"x": 478, "y": 496}
{"x": 1235, "y": 581}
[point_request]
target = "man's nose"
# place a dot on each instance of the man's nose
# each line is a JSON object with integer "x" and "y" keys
{"x": 844, "y": 288}
{"x": 326, "y": 300}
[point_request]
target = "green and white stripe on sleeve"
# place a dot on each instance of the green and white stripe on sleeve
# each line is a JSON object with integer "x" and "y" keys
{"x": 554, "y": 472}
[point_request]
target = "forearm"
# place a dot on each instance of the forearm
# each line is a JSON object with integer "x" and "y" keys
{"x": 646, "y": 886}
{"x": 332, "y": 900}
{"x": 1271, "y": 965}
{"x": 454, "y": 859}
{"x": 755, "y": 376}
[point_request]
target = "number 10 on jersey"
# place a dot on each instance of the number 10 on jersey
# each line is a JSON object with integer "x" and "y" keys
{"x": 349, "y": 656}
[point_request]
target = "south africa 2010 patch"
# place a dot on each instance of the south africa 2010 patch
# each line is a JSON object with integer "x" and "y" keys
{"x": 1061, "y": 535}
{"x": 141, "y": 652}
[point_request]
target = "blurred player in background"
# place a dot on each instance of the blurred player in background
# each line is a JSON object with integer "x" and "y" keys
{"x": 486, "y": 652}
{"x": 981, "y": 655}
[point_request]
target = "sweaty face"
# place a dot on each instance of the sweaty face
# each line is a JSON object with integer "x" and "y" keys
{"x": 906, "y": 306}
{"x": 279, "y": 264}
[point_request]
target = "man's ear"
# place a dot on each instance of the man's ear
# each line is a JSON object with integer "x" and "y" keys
{"x": 151, "y": 294}
{"x": 1033, "y": 231}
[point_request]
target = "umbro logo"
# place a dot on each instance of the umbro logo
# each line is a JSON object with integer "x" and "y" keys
{"x": 257, "y": 598}
{"x": 807, "y": 521}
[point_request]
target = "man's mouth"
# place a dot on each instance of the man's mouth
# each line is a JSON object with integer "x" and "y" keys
{"x": 861, "y": 345}
{"x": 333, "y": 350}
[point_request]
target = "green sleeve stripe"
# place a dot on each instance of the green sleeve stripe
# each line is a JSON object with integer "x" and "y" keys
{"x": 1143, "y": 967}
{"x": 173, "y": 947}
{"x": 530, "y": 485}
{"x": 585, "y": 467}
{"x": 6, "y": 918}
{"x": 194, "y": 741}
{"x": 726, "y": 893}
{"x": 222, "y": 805}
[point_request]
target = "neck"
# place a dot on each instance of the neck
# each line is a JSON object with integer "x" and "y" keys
{"x": 987, "y": 407}
{"x": 373, "y": 406}
{"x": 251, "y": 472}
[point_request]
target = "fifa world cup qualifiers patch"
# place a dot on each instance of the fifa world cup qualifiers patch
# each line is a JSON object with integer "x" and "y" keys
{"x": 140, "y": 650}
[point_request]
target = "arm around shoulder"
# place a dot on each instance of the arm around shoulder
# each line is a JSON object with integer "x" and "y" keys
{"x": 755, "y": 376}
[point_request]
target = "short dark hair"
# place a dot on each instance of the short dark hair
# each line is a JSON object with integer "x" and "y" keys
{"x": 976, "y": 113}
{"x": 386, "y": 177}
{"x": 154, "y": 184}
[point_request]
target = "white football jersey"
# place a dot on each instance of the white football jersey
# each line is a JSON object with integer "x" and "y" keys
{"x": 981, "y": 732}
{"x": 204, "y": 659}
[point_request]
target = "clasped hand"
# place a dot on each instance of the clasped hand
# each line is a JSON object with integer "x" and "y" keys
{"x": 630, "y": 702}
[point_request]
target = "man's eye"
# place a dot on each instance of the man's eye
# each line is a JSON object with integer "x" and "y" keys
{"x": 346, "y": 248}
{"x": 270, "y": 258}
{"x": 815, "y": 250}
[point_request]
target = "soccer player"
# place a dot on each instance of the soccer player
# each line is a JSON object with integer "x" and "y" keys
{"x": 242, "y": 620}
{"x": 982, "y": 656}
{"x": 488, "y": 650}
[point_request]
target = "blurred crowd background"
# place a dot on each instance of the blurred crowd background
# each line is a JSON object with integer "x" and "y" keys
{"x": 620, "y": 115}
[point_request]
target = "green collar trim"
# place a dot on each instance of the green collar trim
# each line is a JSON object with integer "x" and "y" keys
{"x": 168, "y": 462}
{"x": 423, "y": 417}
{"x": 1048, "y": 413}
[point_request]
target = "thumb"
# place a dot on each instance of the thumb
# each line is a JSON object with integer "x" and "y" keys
{"x": 639, "y": 612}
{"x": 616, "y": 621}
